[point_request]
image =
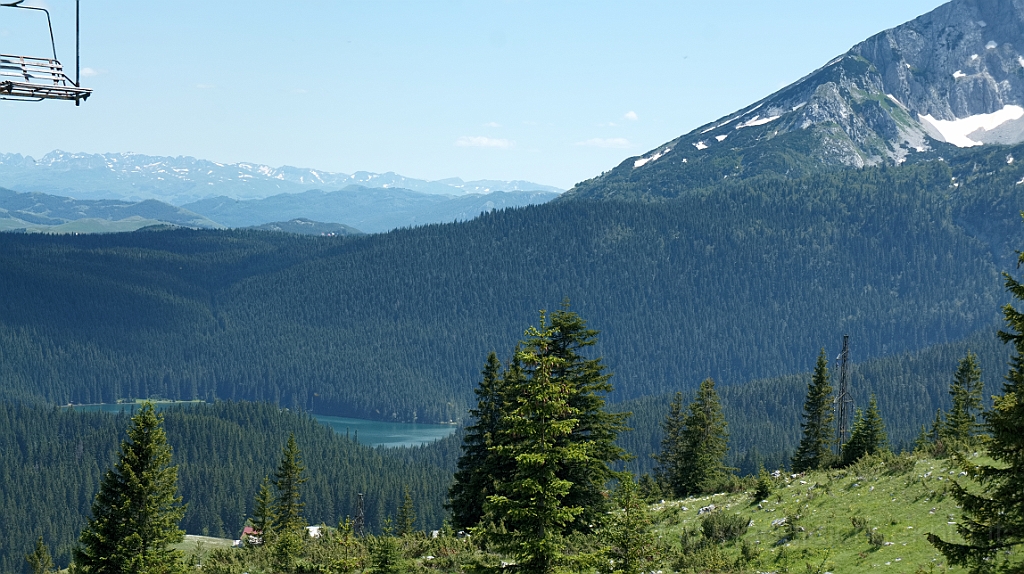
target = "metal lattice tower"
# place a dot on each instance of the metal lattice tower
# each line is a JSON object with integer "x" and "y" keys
{"x": 843, "y": 400}
{"x": 360, "y": 517}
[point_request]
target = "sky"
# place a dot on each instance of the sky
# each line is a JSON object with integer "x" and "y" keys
{"x": 550, "y": 91}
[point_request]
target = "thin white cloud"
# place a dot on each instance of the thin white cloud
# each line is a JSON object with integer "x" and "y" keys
{"x": 89, "y": 72}
{"x": 492, "y": 125}
{"x": 483, "y": 141}
{"x": 616, "y": 143}
{"x": 631, "y": 115}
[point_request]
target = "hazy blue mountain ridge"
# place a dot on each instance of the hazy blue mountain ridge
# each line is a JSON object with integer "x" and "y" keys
{"x": 40, "y": 211}
{"x": 179, "y": 180}
{"x": 370, "y": 210}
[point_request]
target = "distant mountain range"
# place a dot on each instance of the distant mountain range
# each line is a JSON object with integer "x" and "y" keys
{"x": 86, "y": 193}
{"x": 950, "y": 79}
{"x": 368, "y": 209}
{"x": 372, "y": 210}
{"x": 44, "y": 212}
{"x": 180, "y": 180}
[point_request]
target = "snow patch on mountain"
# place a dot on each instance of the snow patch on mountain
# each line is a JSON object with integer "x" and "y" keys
{"x": 757, "y": 121}
{"x": 970, "y": 131}
{"x": 645, "y": 160}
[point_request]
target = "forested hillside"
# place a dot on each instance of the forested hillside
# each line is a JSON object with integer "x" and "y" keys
{"x": 53, "y": 461}
{"x": 739, "y": 281}
{"x": 54, "y": 458}
{"x": 764, "y": 415}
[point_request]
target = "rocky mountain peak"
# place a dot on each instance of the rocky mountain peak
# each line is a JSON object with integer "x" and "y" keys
{"x": 952, "y": 77}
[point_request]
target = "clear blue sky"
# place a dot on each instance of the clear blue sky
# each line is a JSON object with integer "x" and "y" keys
{"x": 546, "y": 90}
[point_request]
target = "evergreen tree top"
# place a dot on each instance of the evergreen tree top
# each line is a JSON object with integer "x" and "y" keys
{"x": 136, "y": 513}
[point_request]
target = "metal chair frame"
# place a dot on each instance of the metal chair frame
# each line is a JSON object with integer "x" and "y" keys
{"x": 27, "y": 78}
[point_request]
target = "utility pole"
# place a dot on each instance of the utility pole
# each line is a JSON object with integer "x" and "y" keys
{"x": 843, "y": 399}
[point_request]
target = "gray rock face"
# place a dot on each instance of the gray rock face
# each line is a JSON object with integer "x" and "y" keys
{"x": 962, "y": 60}
{"x": 981, "y": 39}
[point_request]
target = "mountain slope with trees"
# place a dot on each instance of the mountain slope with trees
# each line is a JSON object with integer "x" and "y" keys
{"x": 948, "y": 80}
{"x": 736, "y": 283}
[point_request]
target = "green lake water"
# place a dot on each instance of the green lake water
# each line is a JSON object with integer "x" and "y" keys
{"x": 376, "y": 433}
{"x": 367, "y": 432}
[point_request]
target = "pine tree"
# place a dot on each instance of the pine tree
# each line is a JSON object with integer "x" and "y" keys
{"x": 406, "y": 513}
{"x": 263, "y": 513}
{"x": 938, "y": 430}
{"x": 136, "y": 513}
{"x": 697, "y": 443}
{"x": 479, "y": 464}
{"x": 673, "y": 453}
{"x": 992, "y": 525}
{"x": 815, "y": 450}
{"x": 288, "y": 526}
{"x": 629, "y": 536}
{"x": 868, "y": 436}
{"x": 386, "y": 553}
{"x": 39, "y": 559}
{"x": 596, "y": 427}
{"x": 555, "y": 468}
{"x": 923, "y": 442}
{"x": 288, "y": 504}
{"x": 961, "y": 424}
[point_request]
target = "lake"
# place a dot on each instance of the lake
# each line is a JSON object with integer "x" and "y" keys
{"x": 376, "y": 433}
{"x": 366, "y": 432}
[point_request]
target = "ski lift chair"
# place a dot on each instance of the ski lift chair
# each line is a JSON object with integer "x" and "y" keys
{"x": 34, "y": 79}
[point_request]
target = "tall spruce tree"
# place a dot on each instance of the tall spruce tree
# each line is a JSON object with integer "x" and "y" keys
{"x": 815, "y": 450}
{"x": 136, "y": 513}
{"x": 479, "y": 464}
{"x": 868, "y": 436}
{"x": 288, "y": 503}
{"x": 961, "y": 424}
{"x": 406, "y": 513}
{"x": 263, "y": 513}
{"x": 992, "y": 525}
{"x": 630, "y": 540}
{"x": 555, "y": 467}
{"x": 589, "y": 384}
{"x": 288, "y": 534}
{"x": 694, "y": 461}
{"x": 39, "y": 560}
{"x": 673, "y": 453}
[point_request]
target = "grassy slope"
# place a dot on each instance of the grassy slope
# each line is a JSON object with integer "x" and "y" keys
{"x": 901, "y": 503}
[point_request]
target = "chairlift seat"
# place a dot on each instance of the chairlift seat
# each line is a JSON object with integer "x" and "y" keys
{"x": 28, "y": 78}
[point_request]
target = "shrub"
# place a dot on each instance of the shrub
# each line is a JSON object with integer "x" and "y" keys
{"x": 876, "y": 538}
{"x": 765, "y": 485}
{"x": 704, "y": 558}
{"x": 722, "y": 527}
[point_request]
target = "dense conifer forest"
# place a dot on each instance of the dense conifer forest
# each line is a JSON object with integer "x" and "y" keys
{"x": 764, "y": 414}
{"x": 736, "y": 282}
{"x": 741, "y": 281}
{"x": 53, "y": 459}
